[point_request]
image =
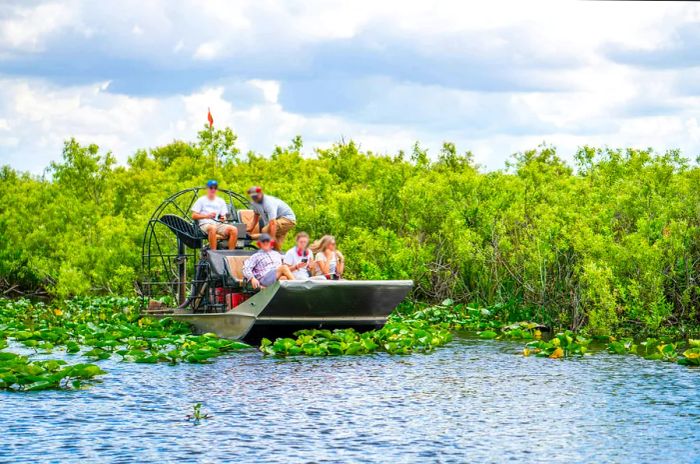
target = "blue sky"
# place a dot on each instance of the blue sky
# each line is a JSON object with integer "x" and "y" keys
{"x": 494, "y": 78}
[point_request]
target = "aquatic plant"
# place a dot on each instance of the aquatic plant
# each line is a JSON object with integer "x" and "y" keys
{"x": 453, "y": 316}
{"x": 487, "y": 334}
{"x": 197, "y": 414}
{"x": 393, "y": 338}
{"x": 662, "y": 349}
{"x": 522, "y": 331}
{"x": 17, "y": 372}
{"x": 108, "y": 326}
{"x": 99, "y": 328}
{"x": 623, "y": 346}
{"x": 691, "y": 357}
{"x": 562, "y": 345}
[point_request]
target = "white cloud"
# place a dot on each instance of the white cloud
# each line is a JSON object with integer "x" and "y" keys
{"x": 270, "y": 89}
{"x": 405, "y": 69}
{"x": 26, "y": 29}
{"x": 207, "y": 51}
{"x": 43, "y": 116}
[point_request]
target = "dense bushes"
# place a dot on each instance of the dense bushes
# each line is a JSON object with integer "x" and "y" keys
{"x": 613, "y": 245}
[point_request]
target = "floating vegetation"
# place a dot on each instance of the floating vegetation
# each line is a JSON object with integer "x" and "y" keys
{"x": 421, "y": 330}
{"x": 522, "y": 331}
{"x": 451, "y": 316}
{"x": 97, "y": 329}
{"x": 562, "y": 345}
{"x": 17, "y": 372}
{"x": 663, "y": 349}
{"x": 103, "y": 328}
{"x": 197, "y": 414}
{"x": 393, "y": 338}
{"x": 623, "y": 346}
{"x": 487, "y": 334}
{"x": 691, "y": 357}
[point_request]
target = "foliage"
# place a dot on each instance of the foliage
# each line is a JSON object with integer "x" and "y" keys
{"x": 663, "y": 349}
{"x": 562, "y": 345}
{"x": 691, "y": 357}
{"x": 393, "y": 338}
{"x": 197, "y": 414}
{"x": 96, "y": 328}
{"x": 612, "y": 246}
{"x": 19, "y": 373}
{"x": 624, "y": 346}
{"x": 522, "y": 331}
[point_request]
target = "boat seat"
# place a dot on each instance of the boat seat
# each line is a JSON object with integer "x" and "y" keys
{"x": 192, "y": 236}
{"x": 234, "y": 267}
{"x": 186, "y": 231}
{"x": 246, "y": 216}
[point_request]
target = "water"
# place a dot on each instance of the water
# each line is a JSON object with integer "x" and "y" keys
{"x": 472, "y": 401}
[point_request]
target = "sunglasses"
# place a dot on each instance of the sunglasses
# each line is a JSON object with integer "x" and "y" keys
{"x": 213, "y": 188}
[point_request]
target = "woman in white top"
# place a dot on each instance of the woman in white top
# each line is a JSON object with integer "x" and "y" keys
{"x": 299, "y": 258}
{"x": 329, "y": 261}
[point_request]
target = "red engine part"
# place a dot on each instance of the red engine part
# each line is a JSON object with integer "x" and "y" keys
{"x": 220, "y": 295}
{"x": 234, "y": 299}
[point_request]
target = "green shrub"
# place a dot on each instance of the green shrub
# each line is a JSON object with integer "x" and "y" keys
{"x": 613, "y": 245}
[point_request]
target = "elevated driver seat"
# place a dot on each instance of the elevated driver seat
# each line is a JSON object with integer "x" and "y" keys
{"x": 192, "y": 236}
{"x": 246, "y": 216}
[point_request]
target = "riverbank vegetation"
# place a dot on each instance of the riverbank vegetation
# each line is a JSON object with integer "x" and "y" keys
{"x": 610, "y": 246}
{"x": 39, "y": 342}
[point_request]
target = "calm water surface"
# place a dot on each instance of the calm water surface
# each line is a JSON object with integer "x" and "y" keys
{"x": 472, "y": 401}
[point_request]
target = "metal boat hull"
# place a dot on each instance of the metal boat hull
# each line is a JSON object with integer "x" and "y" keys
{"x": 288, "y": 306}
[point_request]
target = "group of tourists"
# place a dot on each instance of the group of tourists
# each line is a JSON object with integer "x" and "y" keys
{"x": 320, "y": 260}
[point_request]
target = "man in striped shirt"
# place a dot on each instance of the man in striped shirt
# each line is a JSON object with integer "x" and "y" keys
{"x": 265, "y": 267}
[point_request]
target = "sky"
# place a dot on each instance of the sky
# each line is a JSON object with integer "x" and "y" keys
{"x": 495, "y": 78}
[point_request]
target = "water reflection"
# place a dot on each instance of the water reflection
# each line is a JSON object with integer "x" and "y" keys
{"x": 471, "y": 401}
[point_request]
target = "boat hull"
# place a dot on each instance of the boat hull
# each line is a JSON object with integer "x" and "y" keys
{"x": 288, "y": 306}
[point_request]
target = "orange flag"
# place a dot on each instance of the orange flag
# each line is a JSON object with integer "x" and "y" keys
{"x": 210, "y": 118}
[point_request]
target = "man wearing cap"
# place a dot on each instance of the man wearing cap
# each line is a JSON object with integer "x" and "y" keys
{"x": 265, "y": 267}
{"x": 206, "y": 210}
{"x": 278, "y": 218}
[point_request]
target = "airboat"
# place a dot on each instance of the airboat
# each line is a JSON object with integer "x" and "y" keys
{"x": 186, "y": 280}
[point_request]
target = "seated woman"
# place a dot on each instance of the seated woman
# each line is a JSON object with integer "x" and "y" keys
{"x": 299, "y": 258}
{"x": 265, "y": 267}
{"x": 329, "y": 261}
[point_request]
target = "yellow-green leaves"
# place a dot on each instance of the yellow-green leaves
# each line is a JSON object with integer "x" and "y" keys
{"x": 21, "y": 374}
{"x": 562, "y": 345}
{"x": 96, "y": 329}
{"x": 393, "y": 338}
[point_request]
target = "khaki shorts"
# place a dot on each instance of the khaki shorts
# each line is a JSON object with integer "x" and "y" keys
{"x": 284, "y": 225}
{"x": 221, "y": 228}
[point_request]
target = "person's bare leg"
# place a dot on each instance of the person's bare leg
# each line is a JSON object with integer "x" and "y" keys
{"x": 211, "y": 232}
{"x": 272, "y": 230}
{"x": 232, "y": 237}
{"x": 283, "y": 271}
